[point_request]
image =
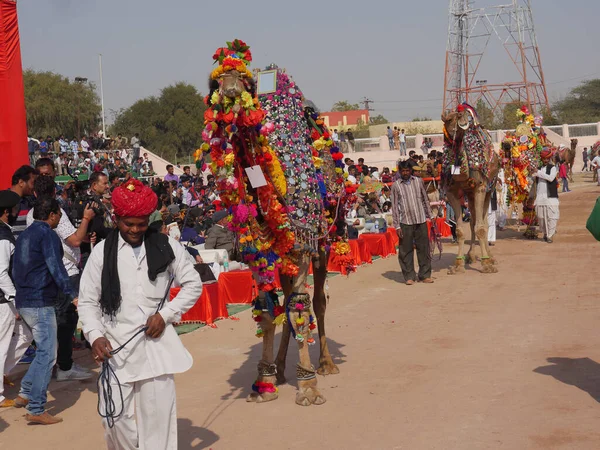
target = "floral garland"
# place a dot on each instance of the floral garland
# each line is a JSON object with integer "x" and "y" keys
{"x": 236, "y": 138}
{"x": 521, "y": 155}
{"x": 303, "y": 200}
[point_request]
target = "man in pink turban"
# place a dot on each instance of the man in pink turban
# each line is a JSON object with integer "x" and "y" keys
{"x": 123, "y": 290}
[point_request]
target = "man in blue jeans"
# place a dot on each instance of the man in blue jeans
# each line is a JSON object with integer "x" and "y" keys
{"x": 38, "y": 275}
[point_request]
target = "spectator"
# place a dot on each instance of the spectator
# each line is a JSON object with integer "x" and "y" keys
{"x": 218, "y": 236}
{"x": 352, "y": 174}
{"x": 563, "y": 173}
{"x": 410, "y": 211}
{"x": 66, "y": 313}
{"x": 170, "y": 176}
{"x": 39, "y": 274}
{"x": 14, "y": 335}
{"x": 350, "y": 138}
{"x": 335, "y": 137}
{"x": 402, "y": 138}
{"x": 585, "y": 157}
{"x": 135, "y": 144}
{"x": 85, "y": 146}
{"x": 43, "y": 147}
{"x": 396, "y": 135}
{"x": 22, "y": 184}
{"x": 64, "y": 144}
{"x": 74, "y": 146}
{"x": 343, "y": 143}
{"x": 390, "y": 136}
{"x": 45, "y": 166}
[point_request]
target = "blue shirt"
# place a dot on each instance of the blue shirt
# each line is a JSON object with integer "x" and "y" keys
{"x": 38, "y": 270}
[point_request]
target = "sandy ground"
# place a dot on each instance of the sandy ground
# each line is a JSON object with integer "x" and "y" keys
{"x": 501, "y": 361}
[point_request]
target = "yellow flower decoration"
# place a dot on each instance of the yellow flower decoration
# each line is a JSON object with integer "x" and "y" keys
{"x": 215, "y": 98}
{"x": 247, "y": 99}
{"x": 318, "y": 162}
{"x": 229, "y": 159}
{"x": 319, "y": 144}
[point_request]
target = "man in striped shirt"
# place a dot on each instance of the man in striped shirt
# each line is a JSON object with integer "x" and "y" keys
{"x": 410, "y": 211}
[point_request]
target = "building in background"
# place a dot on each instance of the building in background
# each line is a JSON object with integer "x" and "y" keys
{"x": 345, "y": 119}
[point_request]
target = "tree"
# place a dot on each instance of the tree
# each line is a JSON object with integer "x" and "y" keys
{"x": 581, "y": 105}
{"x": 421, "y": 119}
{"x": 54, "y": 104}
{"x": 549, "y": 117}
{"x": 344, "y": 105}
{"x": 361, "y": 130}
{"x": 485, "y": 115}
{"x": 170, "y": 125}
{"x": 378, "y": 120}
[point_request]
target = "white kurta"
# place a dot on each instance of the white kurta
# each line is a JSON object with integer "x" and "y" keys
{"x": 15, "y": 336}
{"x": 145, "y": 360}
{"x": 546, "y": 208}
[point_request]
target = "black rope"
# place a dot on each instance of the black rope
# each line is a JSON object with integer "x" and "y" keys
{"x": 107, "y": 373}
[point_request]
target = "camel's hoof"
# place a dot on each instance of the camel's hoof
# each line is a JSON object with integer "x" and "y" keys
{"x": 280, "y": 377}
{"x": 489, "y": 268}
{"x": 312, "y": 395}
{"x": 302, "y": 400}
{"x": 328, "y": 369}
{"x": 255, "y": 397}
{"x": 454, "y": 270}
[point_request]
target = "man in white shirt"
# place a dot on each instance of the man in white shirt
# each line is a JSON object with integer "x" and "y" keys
{"x": 135, "y": 144}
{"x": 15, "y": 336}
{"x": 66, "y": 313}
{"x": 85, "y": 147}
{"x": 546, "y": 199}
{"x": 123, "y": 286}
{"x": 596, "y": 166}
{"x": 402, "y": 138}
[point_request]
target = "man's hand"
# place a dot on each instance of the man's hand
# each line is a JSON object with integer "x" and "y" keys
{"x": 88, "y": 212}
{"x": 101, "y": 349}
{"x": 156, "y": 325}
{"x": 75, "y": 301}
{"x": 199, "y": 259}
{"x": 399, "y": 232}
{"x": 93, "y": 238}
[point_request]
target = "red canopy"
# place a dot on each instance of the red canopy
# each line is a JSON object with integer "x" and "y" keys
{"x": 13, "y": 122}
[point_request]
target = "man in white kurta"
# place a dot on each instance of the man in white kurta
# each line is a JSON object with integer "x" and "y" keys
{"x": 145, "y": 367}
{"x": 546, "y": 199}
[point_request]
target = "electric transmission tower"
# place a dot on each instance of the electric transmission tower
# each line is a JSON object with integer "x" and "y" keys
{"x": 470, "y": 30}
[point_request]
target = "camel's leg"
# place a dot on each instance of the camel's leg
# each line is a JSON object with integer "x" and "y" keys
{"x": 286, "y": 284}
{"x": 299, "y": 314}
{"x": 459, "y": 264}
{"x": 326, "y": 364}
{"x": 470, "y": 257}
{"x": 482, "y": 204}
{"x": 266, "y": 368}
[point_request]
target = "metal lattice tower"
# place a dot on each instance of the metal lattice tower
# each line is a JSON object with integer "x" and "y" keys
{"x": 470, "y": 30}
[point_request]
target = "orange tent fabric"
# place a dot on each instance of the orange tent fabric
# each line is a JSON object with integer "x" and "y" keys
{"x": 13, "y": 123}
{"x": 378, "y": 244}
{"x": 365, "y": 252}
{"x": 237, "y": 287}
{"x": 207, "y": 309}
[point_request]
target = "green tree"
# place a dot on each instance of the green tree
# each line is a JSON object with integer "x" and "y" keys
{"x": 361, "y": 130}
{"x": 485, "y": 114}
{"x": 421, "y": 119}
{"x": 170, "y": 125}
{"x": 581, "y": 105}
{"x": 378, "y": 120}
{"x": 54, "y": 103}
{"x": 549, "y": 117}
{"x": 344, "y": 105}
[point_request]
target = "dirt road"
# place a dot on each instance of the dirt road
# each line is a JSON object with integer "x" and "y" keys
{"x": 502, "y": 361}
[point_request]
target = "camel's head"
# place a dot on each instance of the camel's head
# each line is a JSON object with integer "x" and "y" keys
{"x": 231, "y": 84}
{"x": 455, "y": 123}
{"x": 574, "y": 143}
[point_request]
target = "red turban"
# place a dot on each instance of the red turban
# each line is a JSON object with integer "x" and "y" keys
{"x": 133, "y": 199}
{"x": 546, "y": 154}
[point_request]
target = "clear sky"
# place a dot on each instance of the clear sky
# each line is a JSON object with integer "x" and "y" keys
{"x": 387, "y": 50}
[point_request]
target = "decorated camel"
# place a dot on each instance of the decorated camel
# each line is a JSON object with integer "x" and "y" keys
{"x": 276, "y": 214}
{"x": 470, "y": 168}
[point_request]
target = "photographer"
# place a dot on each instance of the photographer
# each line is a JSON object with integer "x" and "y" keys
{"x": 66, "y": 312}
{"x": 102, "y": 223}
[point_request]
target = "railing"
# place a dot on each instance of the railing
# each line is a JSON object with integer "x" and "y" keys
{"x": 558, "y": 129}
{"x": 366, "y": 144}
{"x": 581, "y": 130}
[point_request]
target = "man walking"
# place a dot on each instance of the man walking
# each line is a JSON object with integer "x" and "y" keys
{"x": 585, "y": 157}
{"x": 410, "y": 211}
{"x": 122, "y": 288}
{"x": 15, "y": 337}
{"x": 390, "y": 136}
{"x": 39, "y": 274}
{"x": 546, "y": 199}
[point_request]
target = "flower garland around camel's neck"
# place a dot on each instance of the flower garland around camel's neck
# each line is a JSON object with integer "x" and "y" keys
{"x": 235, "y": 138}
{"x": 338, "y": 195}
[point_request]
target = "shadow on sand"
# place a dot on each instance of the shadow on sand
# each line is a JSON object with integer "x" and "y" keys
{"x": 193, "y": 437}
{"x": 242, "y": 378}
{"x": 583, "y": 373}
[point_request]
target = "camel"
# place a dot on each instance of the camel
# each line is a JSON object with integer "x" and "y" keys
{"x": 273, "y": 233}
{"x": 469, "y": 147}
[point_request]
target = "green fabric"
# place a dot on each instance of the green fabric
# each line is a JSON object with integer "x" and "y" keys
{"x": 593, "y": 222}
{"x": 232, "y": 310}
